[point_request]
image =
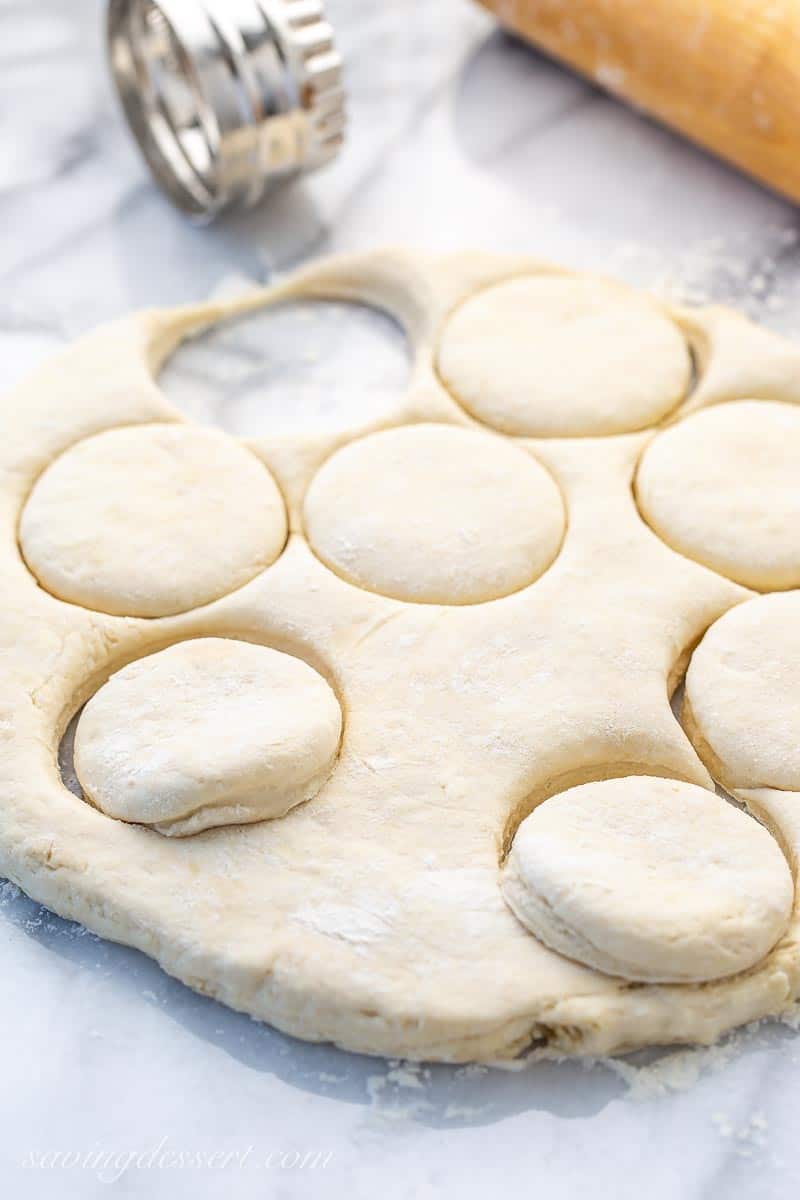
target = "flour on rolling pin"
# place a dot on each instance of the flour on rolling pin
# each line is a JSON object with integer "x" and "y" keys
{"x": 724, "y": 72}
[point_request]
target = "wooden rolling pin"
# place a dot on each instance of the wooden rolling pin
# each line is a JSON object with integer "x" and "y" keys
{"x": 724, "y": 72}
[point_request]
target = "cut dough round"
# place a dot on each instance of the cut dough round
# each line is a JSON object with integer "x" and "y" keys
{"x": 723, "y": 488}
{"x": 742, "y": 703}
{"x": 435, "y": 514}
{"x": 152, "y": 520}
{"x": 554, "y": 357}
{"x": 650, "y": 879}
{"x": 208, "y": 732}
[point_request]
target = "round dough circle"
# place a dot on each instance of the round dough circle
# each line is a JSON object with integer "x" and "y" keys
{"x": 723, "y": 488}
{"x": 650, "y": 879}
{"x": 742, "y": 701}
{"x": 152, "y": 520}
{"x": 208, "y": 732}
{"x": 435, "y": 514}
{"x": 562, "y": 357}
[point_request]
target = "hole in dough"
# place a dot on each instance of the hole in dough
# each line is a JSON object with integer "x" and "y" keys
{"x": 649, "y": 879}
{"x": 742, "y": 703}
{"x": 207, "y": 732}
{"x": 321, "y": 364}
{"x": 152, "y": 520}
{"x": 563, "y": 357}
{"x": 66, "y": 758}
{"x": 723, "y": 488}
{"x": 435, "y": 514}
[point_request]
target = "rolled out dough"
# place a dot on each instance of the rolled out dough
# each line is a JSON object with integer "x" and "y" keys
{"x": 474, "y": 590}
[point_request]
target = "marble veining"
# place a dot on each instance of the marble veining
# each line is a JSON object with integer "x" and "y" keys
{"x": 460, "y": 137}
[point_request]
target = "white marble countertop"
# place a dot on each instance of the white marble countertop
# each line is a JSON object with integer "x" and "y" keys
{"x": 460, "y": 138}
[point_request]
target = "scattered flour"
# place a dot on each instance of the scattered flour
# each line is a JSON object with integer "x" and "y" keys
{"x": 9, "y": 892}
{"x": 356, "y": 925}
{"x": 679, "y": 1070}
{"x": 749, "y": 1137}
{"x": 674, "y": 1072}
{"x": 384, "y": 1099}
{"x": 757, "y": 275}
{"x": 405, "y": 1077}
{"x": 34, "y": 917}
{"x": 471, "y": 1071}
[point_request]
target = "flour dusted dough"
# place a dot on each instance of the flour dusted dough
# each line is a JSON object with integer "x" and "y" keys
{"x": 553, "y": 357}
{"x": 152, "y": 520}
{"x": 208, "y": 732}
{"x": 373, "y": 914}
{"x": 435, "y": 514}
{"x": 722, "y": 488}
{"x": 649, "y": 879}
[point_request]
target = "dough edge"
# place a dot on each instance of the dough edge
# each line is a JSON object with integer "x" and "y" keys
{"x": 590, "y": 1025}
